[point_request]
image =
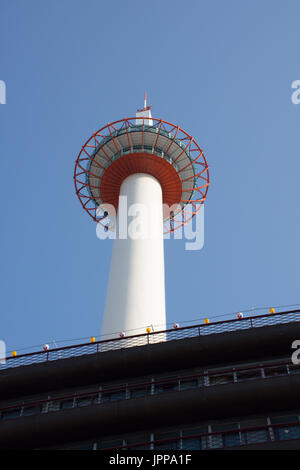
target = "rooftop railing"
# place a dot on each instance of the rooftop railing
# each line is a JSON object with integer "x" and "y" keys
{"x": 155, "y": 337}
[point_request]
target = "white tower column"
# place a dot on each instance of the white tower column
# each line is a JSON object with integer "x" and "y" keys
{"x": 136, "y": 289}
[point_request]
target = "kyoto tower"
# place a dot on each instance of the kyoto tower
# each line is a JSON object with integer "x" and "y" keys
{"x": 152, "y": 167}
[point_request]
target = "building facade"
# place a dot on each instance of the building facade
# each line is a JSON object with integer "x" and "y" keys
{"x": 223, "y": 385}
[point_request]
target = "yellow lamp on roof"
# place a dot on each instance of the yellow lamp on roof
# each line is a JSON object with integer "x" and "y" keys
{"x": 272, "y": 310}
{"x": 14, "y": 353}
{"x": 92, "y": 339}
{"x": 206, "y": 321}
{"x": 148, "y": 329}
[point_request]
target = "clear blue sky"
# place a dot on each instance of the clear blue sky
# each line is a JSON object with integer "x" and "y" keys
{"x": 222, "y": 70}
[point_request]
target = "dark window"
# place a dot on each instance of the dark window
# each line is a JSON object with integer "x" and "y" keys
{"x": 275, "y": 371}
{"x": 231, "y": 439}
{"x": 169, "y": 445}
{"x": 10, "y": 414}
{"x": 251, "y": 374}
{"x": 113, "y": 396}
{"x": 257, "y": 435}
{"x": 51, "y": 406}
{"x": 172, "y": 445}
{"x": 110, "y": 444}
{"x": 185, "y": 384}
{"x": 286, "y": 432}
{"x": 190, "y": 441}
{"x": 294, "y": 369}
{"x": 192, "y": 444}
{"x": 228, "y": 438}
{"x": 84, "y": 401}
{"x": 215, "y": 441}
{"x": 141, "y": 442}
{"x": 64, "y": 404}
{"x": 166, "y": 387}
{"x": 140, "y": 391}
{"x": 220, "y": 379}
{"x": 31, "y": 410}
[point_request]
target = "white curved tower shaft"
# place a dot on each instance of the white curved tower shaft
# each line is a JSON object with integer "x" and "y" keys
{"x": 140, "y": 159}
{"x": 136, "y": 289}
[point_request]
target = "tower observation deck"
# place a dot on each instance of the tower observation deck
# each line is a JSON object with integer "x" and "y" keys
{"x": 148, "y": 167}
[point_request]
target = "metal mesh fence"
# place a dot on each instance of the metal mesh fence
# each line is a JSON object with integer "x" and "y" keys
{"x": 151, "y": 338}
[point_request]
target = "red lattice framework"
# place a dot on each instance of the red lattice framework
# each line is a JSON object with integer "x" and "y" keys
{"x": 162, "y": 149}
